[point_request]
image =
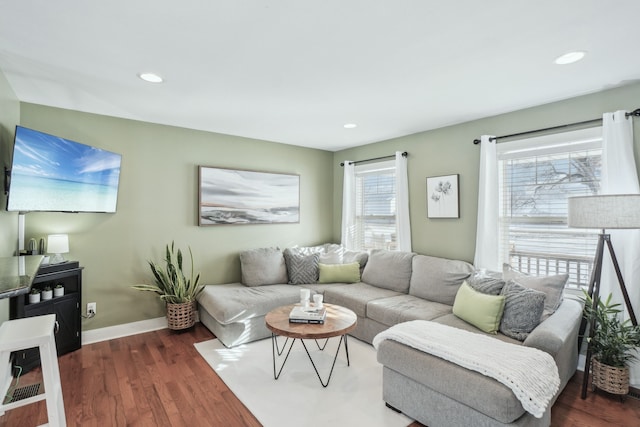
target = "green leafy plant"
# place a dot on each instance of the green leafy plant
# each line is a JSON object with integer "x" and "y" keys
{"x": 34, "y": 291}
{"x": 614, "y": 342}
{"x": 170, "y": 281}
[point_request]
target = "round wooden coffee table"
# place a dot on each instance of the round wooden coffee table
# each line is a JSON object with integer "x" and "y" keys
{"x": 338, "y": 323}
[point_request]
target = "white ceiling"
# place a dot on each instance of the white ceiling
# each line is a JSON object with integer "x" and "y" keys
{"x": 295, "y": 71}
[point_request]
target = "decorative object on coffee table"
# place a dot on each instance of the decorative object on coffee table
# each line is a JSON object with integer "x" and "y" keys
{"x": 617, "y": 211}
{"x": 175, "y": 289}
{"x": 612, "y": 345}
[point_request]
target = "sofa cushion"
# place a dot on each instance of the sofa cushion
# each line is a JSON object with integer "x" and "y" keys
{"x": 402, "y": 308}
{"x": 263, "y": 266}
{"x": 552, "y": 286}
{"x": 301, "y": 268}
{"x": 339, "y": 273}
{"x": 389, "y": 270}
{"x": 235, "y": 302}
{"x": 481, "y": 310}
{"x": 438, "y": 279}
{"x": 356, "y": 296}
{"x": 523, "y": 309}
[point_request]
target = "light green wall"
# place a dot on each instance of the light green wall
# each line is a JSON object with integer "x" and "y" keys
{"x": 158, "y": 192}
{"x": 450, "y": 150}
{"x": 9, "y": 118}
{"x": 157, "y": 203}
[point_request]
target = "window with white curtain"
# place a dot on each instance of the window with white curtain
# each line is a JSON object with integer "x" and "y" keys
{"x": 536, "y": 176}
{"x": 375, "y": 203}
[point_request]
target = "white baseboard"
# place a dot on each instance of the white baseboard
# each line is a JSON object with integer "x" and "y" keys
{"x": 125, "y": 330}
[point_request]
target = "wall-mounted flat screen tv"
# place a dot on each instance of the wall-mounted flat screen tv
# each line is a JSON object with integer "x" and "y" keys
{"x": 54, "y": 174}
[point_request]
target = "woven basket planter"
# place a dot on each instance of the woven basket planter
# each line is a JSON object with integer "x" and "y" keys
{"x": 181, "y": 316}
{"x": 609, "y": 378}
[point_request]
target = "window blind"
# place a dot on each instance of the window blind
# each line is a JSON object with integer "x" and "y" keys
{"x": 536, "y": 177}
{"x": 375, "y": 206}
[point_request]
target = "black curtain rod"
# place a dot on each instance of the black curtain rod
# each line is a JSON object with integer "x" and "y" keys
{"x": 635, "y": 113}
{"x": 404, "y": 154}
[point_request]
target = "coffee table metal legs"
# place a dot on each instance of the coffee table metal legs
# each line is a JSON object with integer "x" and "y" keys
{"x": 277, "y": 350}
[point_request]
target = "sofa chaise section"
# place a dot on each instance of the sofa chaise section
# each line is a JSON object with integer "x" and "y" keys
{"x": 235, "y": 312}
{"x": 440, "y": 393}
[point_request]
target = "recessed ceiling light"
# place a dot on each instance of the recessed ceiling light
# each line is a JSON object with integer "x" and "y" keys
{"x": 570, "y": 58}
{"x": 151, "y": 77}
{"x": 350, "y": 126}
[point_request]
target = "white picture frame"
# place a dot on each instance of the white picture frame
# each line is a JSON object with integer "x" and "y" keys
{"x": 443, "y": 196}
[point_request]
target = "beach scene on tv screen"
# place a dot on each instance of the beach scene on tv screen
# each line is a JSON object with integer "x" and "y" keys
{"x": 50, "y": 173}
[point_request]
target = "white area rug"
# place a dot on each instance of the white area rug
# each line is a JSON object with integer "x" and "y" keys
{"x": 353, "y": 396}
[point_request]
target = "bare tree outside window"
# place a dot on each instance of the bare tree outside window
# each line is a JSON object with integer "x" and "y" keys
{"x": 535, "y": 236}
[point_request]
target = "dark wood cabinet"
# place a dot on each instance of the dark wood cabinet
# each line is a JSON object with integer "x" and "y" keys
{"x": 65, "y": 307}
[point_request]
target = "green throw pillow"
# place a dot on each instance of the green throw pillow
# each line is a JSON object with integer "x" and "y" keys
{"x": 481, "y": 310}
{"x": 339, "y": 273}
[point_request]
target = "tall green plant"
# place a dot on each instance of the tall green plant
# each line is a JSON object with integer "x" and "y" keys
{"x": 614, "y": 342}
{"x": 170, "y": 281}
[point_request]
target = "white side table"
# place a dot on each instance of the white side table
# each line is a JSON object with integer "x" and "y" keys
{"x": 37, "y": 331}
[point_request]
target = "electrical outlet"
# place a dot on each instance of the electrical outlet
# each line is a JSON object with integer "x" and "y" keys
{"x": 91, "y": 309}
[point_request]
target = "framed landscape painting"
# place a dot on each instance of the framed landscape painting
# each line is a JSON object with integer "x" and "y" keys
{"x": 443, "y": 197}
{"x": 232, "y": 196}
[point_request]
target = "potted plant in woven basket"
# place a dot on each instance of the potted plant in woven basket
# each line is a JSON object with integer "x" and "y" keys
{"x": 613, "y": 345}
{"x": 175, "y": 289}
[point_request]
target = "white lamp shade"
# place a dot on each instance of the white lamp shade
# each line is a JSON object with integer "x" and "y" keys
{"x": 58, "y": 243}
{"x": 605, "y": 211}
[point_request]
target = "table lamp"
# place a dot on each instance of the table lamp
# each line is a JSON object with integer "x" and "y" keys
{"x": 57, "y": 244}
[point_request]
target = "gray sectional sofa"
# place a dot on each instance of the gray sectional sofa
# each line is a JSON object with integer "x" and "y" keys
{"x": 397, "y": 287}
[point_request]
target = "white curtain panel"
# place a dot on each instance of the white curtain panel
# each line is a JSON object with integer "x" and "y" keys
{"x": 349, "y": 205}
{"x": 403, "y": 222}
{"x": 487, "y": 229}
{"x": 620, "y": 176}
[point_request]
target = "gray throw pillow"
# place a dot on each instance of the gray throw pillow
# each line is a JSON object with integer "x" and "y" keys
{"x": 263, "y": 266}
{"x": 486, "y": 284}
{"x": 552, "y": 286}
{"x": 523, "y": 309}
{"x": 301, "y": 268}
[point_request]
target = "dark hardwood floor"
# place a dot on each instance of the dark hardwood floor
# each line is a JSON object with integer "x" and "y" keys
{"x": 159, "y": 379}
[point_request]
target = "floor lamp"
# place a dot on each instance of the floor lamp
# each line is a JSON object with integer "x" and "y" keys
{"x": 603, "y": 212}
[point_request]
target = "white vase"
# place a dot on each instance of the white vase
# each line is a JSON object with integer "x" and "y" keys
{"x": 47, "y": 295}
{"x": 58, "y": 292}
{"x": 34, "y": 298}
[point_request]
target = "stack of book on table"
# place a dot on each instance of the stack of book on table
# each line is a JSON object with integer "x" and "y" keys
{"x": 300, "y": 314}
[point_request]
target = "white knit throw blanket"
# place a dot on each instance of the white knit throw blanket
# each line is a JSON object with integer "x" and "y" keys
{"x": 530, "y": 373}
